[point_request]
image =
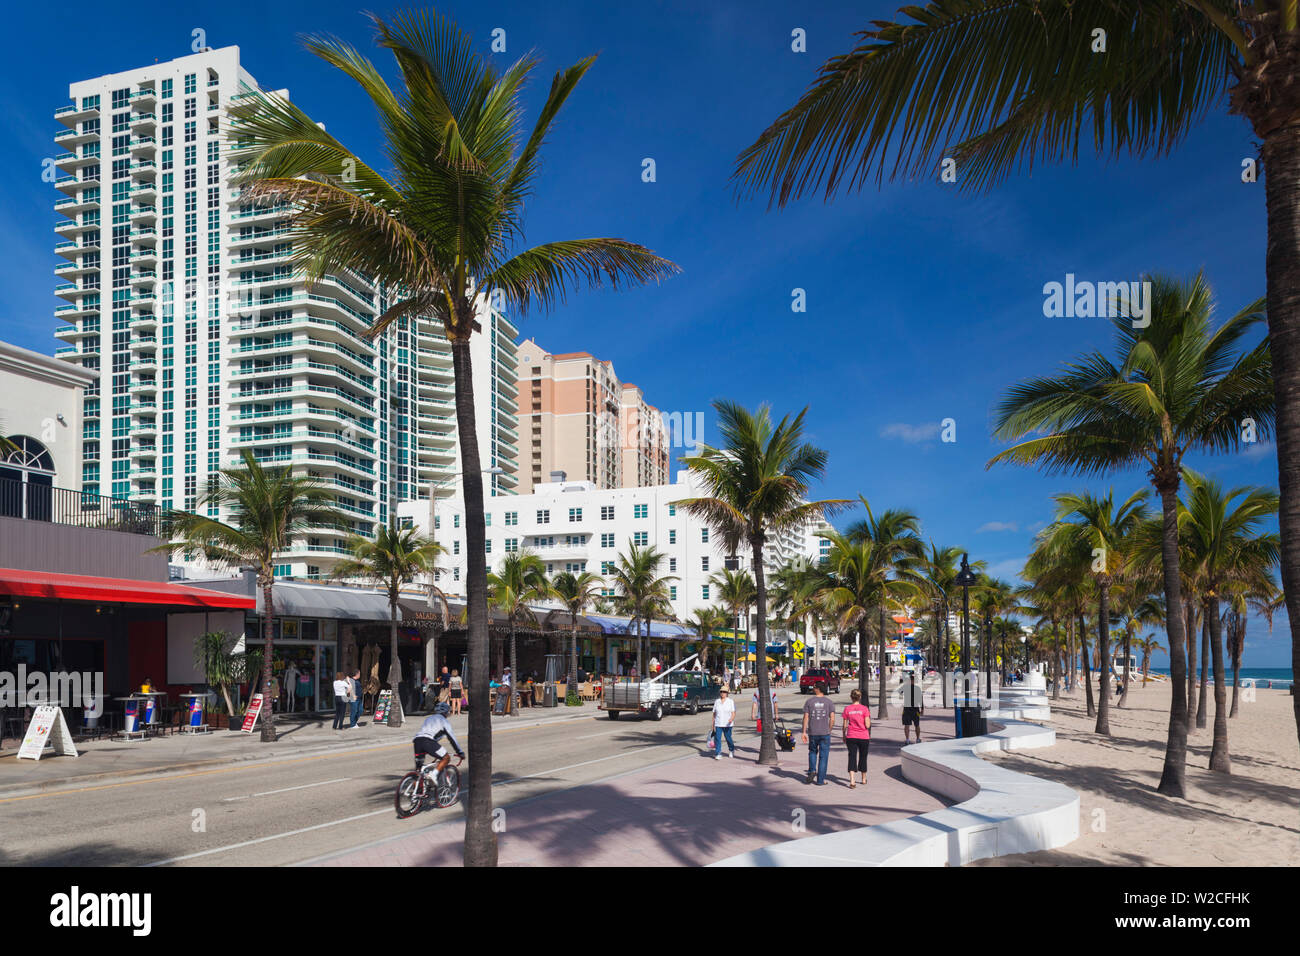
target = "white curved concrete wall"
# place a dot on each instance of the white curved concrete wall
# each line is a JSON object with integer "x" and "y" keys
{"x": 1001, "y": 812}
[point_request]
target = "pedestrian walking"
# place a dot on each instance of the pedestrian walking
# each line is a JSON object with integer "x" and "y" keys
{"x": 358, "y": 698}
{"x": 724, "y": 717}
{"x": 818, "y": 721}
{"x": 342, "y": 688}
{"x": 857, "y": 736}
{"x": 913, "y": 708}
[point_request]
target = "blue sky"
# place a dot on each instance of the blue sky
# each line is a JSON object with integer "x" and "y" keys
{"x": 922, "y": 303}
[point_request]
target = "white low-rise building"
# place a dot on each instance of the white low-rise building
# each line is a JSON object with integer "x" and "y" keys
{"x": 576, "y": 526}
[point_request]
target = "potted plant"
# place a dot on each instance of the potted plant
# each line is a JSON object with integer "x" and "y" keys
{"x": 223, "y": 669}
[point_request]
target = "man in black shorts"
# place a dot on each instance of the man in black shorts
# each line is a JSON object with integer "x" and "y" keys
{"x": 428, "y": 737}
{"x": 913, "y": 708}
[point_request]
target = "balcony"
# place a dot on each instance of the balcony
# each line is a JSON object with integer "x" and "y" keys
{"x": 144, "y": 147}
{"x": 75, "y": 206}
{"x": 142, "y": 257}
{"x": 146, "y": 278}
{"x": 78, "y": 311}
{"x": 70, "y": 161}
{"x": 144, "y": 98}
{"x": 144, "y": 169}
{"x": 141, "y": 122}
{"x": 63, "y": 506}
{"x": 73, "y": 114}
{"x": 143, "y": 321}
{"x": 144, "y": 213}
{"x": 68, "y": 228}
{"x": 69, "y": 138}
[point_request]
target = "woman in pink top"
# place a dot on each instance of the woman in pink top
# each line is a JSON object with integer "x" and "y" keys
{"x": 857, "y": 736}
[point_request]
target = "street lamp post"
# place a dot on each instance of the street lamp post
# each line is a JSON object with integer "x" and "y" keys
{"x": 965, "y": 577}
{"x": 1025, "y": 641}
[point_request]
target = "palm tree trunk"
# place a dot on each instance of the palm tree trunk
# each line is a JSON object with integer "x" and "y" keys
{"x": 1103, "y": 653}
{"x": 883, "y": 712}
{"x": 1281, "y": 155}
{"x": 864, "y": 686}
{"x": 1128, "y": 636}
{"x": 1191, "y": 660}
{"x": 1087, "y": 664}
{"x": 1056, "y": 660}
{"x": 480, "y": 838}
{"x": 268, "y": 712}
{"x": 1220, "y": 762}
{"x": 573, "y": 656}
{"x": 767, "y": 744}
{"x": 1205, "y": 674}
{"x": 1172, "y": 777}
{"x": 395, "y": 715}
{"x": 514, "y": 670}
{"x": 1235, "y": 641}
{"x": 941, "y": 632}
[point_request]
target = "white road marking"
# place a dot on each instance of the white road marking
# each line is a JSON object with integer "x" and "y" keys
{"x": 267, "y": 793}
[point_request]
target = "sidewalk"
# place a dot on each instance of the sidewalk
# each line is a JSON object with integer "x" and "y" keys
{"x": 689, "y": 811}
{"x": 298, "y": 735}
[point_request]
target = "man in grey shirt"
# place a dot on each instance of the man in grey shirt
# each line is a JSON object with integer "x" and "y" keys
{"x": 818, "y": 721}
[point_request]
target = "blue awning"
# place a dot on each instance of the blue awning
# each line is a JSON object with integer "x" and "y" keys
{"x": 660, "y": 630}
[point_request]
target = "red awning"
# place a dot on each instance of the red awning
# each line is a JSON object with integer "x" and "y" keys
{"x": 78, "y": 587}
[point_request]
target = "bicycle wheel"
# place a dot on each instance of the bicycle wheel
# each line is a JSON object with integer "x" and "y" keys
{"x": 409, "y": 798}
{"x": 448, "y": 788}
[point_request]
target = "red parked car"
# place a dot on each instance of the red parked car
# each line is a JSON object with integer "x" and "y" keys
{"x": 827, "y": 678}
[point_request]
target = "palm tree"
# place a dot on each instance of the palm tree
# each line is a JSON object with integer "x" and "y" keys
{"x": 1011, "y": 82}
{"x": 994, "y": 598}
{"x": 736, "y": 591}
{"x": 392, "y": 559}
{"x": 1148, "y": 647}
{"x": 642, "y": 593}
{"x": 1179, "y": 386}
{"x": 755, "y": 485}
{"x": 937, "y": 571}
{"x": 896, "y": 541}
{"x": 520, "y": 579}
{"x": 1095, "y": 524}
{"x": 1225, "y": 542}
{"x": 853, "y": 591}
{"x": 1264, "y": 599}
{"x": 706, "y": 620}
{"x": 444, "y": 229}
{"x": 576, "y": 592}
{"x": 269, "y": 508}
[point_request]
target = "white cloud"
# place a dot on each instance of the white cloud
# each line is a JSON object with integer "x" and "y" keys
{"x": 997, "y": 526}
{"x": 912, "y": 434}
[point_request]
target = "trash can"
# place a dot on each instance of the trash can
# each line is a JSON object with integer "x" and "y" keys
{"x": 548, "y": 694}
{"x": 973, "y": 722}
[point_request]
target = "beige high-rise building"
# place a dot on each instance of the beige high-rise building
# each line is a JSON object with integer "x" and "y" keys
{"x": 575, "y": 416}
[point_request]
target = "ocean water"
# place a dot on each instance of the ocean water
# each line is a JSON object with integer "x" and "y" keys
{"x": 1258, "y": 674}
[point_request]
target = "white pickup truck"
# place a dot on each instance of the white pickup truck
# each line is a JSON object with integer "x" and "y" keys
{"x": 647, "y": 698}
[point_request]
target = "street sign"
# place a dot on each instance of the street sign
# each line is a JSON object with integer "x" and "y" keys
{"x": 382, "y": 704}
{"x": 251, "y": 715}
{"x": 49, "y": 725}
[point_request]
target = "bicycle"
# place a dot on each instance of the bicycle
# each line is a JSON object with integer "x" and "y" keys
{"x": 418, "y": 788}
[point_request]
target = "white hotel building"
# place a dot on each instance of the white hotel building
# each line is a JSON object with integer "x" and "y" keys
{"x": 576, "y": 526}
{"x": 181, "y": 298}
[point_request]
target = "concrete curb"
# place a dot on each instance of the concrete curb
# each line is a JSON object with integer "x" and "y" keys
{"x": 1002, "y": 811}
{"x": 55, "y": 784}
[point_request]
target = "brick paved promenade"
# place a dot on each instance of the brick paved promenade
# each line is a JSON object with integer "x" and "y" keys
{"x": 687, "y": 811}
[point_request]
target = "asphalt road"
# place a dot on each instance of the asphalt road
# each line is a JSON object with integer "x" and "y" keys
{"x": 293, "y": 811}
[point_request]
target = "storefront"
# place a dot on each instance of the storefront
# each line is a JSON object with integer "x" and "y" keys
{"x": 125, "y": 630}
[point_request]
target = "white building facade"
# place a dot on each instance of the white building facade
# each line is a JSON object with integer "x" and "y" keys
{"x": 206, "y": 342}
{"x": 576, "y": 526}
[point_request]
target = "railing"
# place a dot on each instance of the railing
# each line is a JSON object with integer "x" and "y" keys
{"x": 40, "y": 502}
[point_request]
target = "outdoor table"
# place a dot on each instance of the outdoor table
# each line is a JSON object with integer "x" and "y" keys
{"x": 131, "y": 716}
{"x": 194, "y": 704}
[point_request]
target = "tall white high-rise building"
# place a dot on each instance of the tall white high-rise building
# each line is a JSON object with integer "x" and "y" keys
{"x": 182, "y": 297}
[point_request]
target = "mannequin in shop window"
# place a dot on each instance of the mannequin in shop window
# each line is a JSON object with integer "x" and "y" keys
{"x": 291, "y": 687}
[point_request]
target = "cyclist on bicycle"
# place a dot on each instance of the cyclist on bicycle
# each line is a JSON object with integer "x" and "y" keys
{"x": 426, "y": 740}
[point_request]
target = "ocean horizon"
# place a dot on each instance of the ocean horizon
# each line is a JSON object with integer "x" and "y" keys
{"x": 1247, "y": 673}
